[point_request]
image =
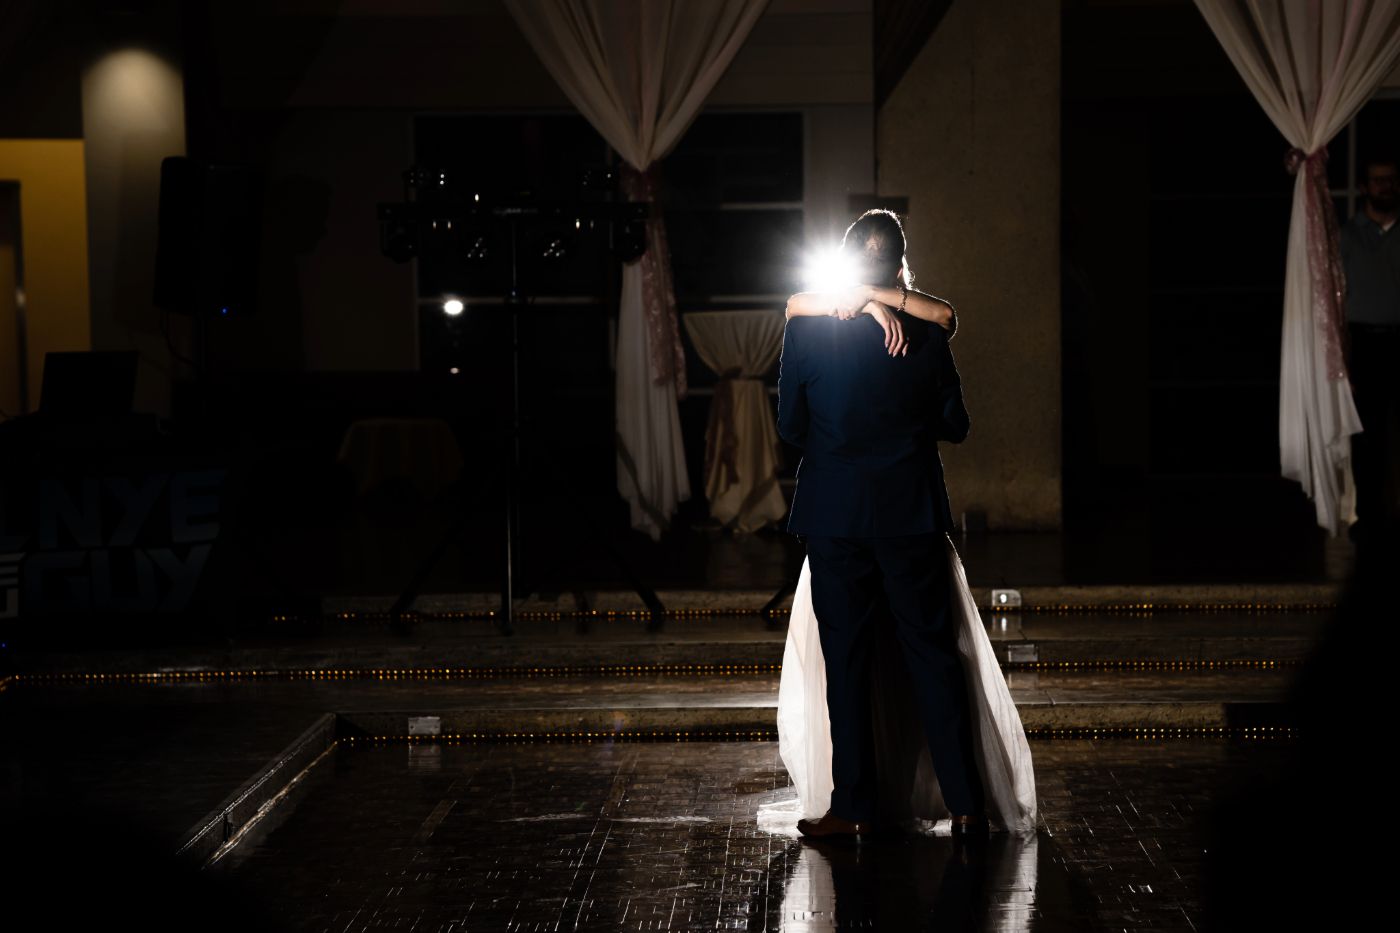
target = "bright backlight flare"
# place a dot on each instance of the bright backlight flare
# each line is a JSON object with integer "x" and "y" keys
{"x": 829, "y": 271}
{"x": 452, "y": 307}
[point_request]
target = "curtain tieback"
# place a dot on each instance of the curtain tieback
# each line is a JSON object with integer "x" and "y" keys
{"x": 1324, "y": 248}
{"x": 720, "y": 433}
{"x": 664, "y": 352}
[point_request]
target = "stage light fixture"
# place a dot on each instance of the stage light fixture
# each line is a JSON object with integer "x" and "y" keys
{"x": 479, "y": 250}
{"x": 556, "y": 248}
{"x": 598, "y": 179}
{"x": 452, "y": 307}
{"x": 425, "y": 179}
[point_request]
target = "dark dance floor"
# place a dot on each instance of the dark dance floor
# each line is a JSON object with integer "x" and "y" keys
{"x": 442, "y": 837}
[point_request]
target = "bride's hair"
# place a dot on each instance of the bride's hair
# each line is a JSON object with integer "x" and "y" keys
{"x": 876, "y": 244}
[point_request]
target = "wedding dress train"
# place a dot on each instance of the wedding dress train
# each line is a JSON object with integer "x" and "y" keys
{"x": 908, "y": 788}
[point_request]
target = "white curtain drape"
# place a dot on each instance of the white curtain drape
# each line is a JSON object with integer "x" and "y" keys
{"x": 742, "y": 452}
{"x": 640, "y": 71}
{"x": 1311, "y": 64}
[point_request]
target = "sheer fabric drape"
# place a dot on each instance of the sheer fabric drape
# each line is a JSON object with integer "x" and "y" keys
{"x": 640, "y": 71}
{"x": 741, "y": 444}
{"x": 909, "y": 792}
{"x": 1311, "y": 65}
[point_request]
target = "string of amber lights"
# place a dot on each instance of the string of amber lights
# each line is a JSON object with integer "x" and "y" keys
{"x": 1196, "y": 732}
{"x": 478, "y": 673}
{"x": 549, "y": 738}
{"x": 528, "y": 615}
{"x": 406, "y": 674}
{"x": 1144, "y": 665}
{"x": 1151, "y": 608}
{"x": 546, "y": 738}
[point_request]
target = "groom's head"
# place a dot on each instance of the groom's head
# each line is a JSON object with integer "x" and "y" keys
{"x": 875, "y": 247}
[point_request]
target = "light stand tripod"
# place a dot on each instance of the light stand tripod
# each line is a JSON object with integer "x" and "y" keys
{"x": 518, "y": 437}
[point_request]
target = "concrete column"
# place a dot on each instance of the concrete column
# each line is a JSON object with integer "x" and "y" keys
{"x": 840, "y": 162}
{"x": 972, "y": 136}
{"x": 133, "y": 117}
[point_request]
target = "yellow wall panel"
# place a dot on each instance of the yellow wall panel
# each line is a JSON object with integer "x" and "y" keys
{"x": 53, "y": 218}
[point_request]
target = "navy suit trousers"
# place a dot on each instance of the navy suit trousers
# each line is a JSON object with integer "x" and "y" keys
{"x": 848, "y": 575}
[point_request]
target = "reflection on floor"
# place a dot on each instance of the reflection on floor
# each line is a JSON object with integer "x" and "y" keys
{"x": 440, "y": 837}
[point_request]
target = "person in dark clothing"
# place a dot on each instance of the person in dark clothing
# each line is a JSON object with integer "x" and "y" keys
{"x": 1371, "y": 255}
{"x": 869, "y": 410}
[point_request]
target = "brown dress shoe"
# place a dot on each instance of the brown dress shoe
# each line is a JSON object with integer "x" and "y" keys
{"x": 830, "y": 825}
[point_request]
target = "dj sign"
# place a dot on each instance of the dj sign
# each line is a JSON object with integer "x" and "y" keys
{"x": 106, "y": 544}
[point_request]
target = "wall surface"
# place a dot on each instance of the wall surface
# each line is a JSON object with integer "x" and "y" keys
{"x": 54, "y": 221}
{"x": 345, "y": 78}
{"x": 840, "y": 162}
{"x": 449, "y": 54}
{"x": 13, "y": 401}
{"x": 971, "y": 136}
{"x": 328, "y": 300}
{"x": 133, "y": 117}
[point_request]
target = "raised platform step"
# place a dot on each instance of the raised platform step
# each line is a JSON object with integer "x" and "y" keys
{"x": 603, "y": 721}
{"x": 194, "y": 741}
{"x": 680, "y": 703}
{"x": 1261, "y": 595}
{"x": 699, "y": 641}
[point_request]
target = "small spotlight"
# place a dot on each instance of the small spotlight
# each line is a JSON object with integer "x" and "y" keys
{"x": 453, "y": 370}
{"x": 452, "y": 307}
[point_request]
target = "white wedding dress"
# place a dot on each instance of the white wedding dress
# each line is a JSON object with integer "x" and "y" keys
{"x": 908, "y": 789}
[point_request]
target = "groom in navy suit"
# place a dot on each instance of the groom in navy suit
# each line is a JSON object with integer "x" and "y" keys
{"x": 871, "y": 503}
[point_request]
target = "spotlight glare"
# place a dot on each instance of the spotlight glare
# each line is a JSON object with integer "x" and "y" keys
{"x": 829, "y": 271}
{"x": 452, "y": 307}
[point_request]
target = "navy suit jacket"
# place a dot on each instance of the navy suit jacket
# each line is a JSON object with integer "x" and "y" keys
{"x": 869, "y": 425}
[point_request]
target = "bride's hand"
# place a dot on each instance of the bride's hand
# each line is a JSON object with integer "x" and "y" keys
{"x": 850, "y": 304}
{"x": 894, "y": 333}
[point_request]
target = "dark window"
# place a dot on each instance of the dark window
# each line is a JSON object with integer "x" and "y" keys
{"x": 732, "y": 158}
{"x": 719, "y": 246}
{"x": 1218, "y": 212}
{"x": 1218, "y": 223}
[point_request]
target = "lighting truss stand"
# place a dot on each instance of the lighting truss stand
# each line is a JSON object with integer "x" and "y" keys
{"x": 517, "y": 438}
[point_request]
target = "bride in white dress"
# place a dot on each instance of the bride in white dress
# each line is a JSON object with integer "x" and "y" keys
{"x": 909, "y": 793}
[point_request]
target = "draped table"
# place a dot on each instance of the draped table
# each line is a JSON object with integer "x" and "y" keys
{"x": 421, "y": 450}
{"x": 742, "y": 452}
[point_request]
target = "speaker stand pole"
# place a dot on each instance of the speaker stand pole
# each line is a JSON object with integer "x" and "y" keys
{"x": 513, "y": 549}
{"x": 201, "y": 350}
